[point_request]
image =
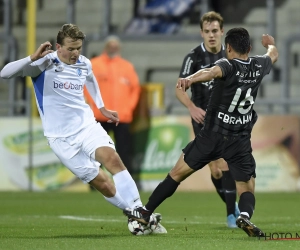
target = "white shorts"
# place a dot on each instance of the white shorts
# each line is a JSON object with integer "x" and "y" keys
{"x": 77, "y": 152}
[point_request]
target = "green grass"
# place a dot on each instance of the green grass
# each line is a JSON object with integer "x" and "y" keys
{"x": 57, "y": 220}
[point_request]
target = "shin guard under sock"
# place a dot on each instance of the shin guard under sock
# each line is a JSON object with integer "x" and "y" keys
{"x": 164, "y": 190}
{"x": 219, "y": 188}
{"x": 247, "y": 203}
{"x": 229, "y": 189}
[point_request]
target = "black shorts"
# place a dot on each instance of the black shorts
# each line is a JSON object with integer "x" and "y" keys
{"x": 197, "y": 127}
{"x": 236, "y": 151}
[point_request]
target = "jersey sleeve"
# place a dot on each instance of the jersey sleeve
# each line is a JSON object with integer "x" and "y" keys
{"x": 266, "y": 61}
{"x": 93, "y": 87}
{"x": 225, "y": 66}
{"x": 25, "y": 67}
{"x": 188, "y": 65}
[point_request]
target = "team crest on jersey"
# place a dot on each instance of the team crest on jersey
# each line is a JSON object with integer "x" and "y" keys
{"x": 58, "y": 65}
{"x": 59, "y": 68}
{"x": 79, "y": 72}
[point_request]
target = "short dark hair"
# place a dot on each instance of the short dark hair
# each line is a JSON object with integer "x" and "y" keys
{"x": 210, "y": 17}
{"x": 69, "y": 30}
{"x": 238, "y": 39}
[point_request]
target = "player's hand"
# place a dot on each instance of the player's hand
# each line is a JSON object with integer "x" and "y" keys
{"x": 197, "y": 113}
{"x": 267, "y": 40}
{"x": 111, "y": 115}
{"x": 183, "y": 83}
{"x": 44, "y": 49}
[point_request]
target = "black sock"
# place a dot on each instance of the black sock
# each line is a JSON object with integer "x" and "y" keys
{"x": 164, "y": 190}
{"x": 247, "y": 203}
{"x": 229, "y": 189}
{"x": 218, "y": 185}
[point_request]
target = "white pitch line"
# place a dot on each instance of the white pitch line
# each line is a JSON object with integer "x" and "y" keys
{"x": 69, "y": 217}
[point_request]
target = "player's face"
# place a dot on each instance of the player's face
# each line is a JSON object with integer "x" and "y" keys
{"x": 212, "y": 36}
{"x": 69, "y": 51}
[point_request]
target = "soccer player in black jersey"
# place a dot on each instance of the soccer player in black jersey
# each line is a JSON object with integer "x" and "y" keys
{"x": 203, "y": 56}
{"x": 227, "y": 126}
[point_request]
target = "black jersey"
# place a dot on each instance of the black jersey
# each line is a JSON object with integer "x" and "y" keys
{"x": 230, "y": 109}
{"x": 200, "y": 58}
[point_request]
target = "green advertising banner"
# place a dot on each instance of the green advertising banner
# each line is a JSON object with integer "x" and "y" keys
{"x": 39, "y": 171}
{"x": 275, "y": 142}
{"x": 158, "y": 146}
{"x": 158, "y": 142}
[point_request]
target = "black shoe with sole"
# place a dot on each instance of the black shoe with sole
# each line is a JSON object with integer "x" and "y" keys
{"x": 139, "y": 214}
{"x": 244, "y": 223}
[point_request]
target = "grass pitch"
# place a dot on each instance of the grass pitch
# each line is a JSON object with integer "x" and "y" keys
{"x": 62, "y": 220}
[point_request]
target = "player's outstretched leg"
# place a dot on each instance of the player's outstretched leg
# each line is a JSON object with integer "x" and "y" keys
{"x": 244, "y": 223}
{"x": 165, "y": 189}
{"x": 127, "y": 187}
{"x": 247, "y": 205}
{"x": 143, "y": 216}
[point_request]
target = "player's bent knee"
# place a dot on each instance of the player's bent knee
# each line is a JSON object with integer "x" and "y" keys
{"x": 180, "y": 172}
{"x": 215, "y": 171}
{"x": 243, "y": 187}
{"x": 110, "y": 159}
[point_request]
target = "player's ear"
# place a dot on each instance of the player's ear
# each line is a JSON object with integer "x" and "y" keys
{"x": 58, "y": 46}
{"x": 250, "y": 47}
{"x": 228, "y": 47}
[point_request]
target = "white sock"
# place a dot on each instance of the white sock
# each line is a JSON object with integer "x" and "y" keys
{"x": 117, "y": 201}
{"x": 127, "y": 189}
{"x": 245, "y": 213}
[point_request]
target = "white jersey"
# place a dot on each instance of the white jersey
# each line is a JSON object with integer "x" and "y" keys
{"x": 59, "y": 92}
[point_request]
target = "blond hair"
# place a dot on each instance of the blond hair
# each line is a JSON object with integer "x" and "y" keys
{"x": 69, "y": 30}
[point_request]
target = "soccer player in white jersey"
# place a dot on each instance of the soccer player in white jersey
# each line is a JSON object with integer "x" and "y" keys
{"x": 73, "y": 134}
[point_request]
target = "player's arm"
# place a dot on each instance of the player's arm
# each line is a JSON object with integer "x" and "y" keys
{"x": 94, "y": 91}
{"x": 22, "y": 67}
{"x": 25, "y": 66}
{"x": 196, "y": 113}
{"x": 269, "y": 43}
{"x": 205, "y": 75}
{"x": 202, "y": 75}
{"x": 183, "y": 97}
{"x": 112, "y": 115}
